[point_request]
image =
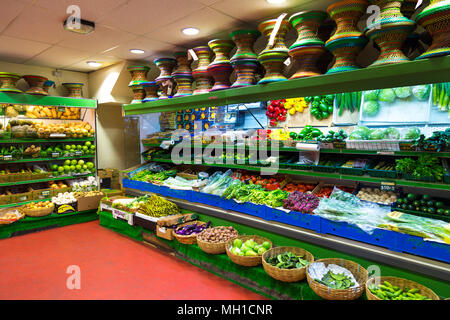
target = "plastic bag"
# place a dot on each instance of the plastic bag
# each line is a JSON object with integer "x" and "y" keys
{"x": 218, "y": 183}
{"x": 9, "y": 216}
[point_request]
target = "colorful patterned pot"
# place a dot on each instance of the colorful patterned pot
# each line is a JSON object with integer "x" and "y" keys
{"x": 36, "y": 84}
{"x": 138, "y": 93}
{"x": 347, "y": 41}
{"x": 245, "y": 72}
{"x": 266, "y": 29}
{"x": 74, "y": 89}
{"x": 435, "y": 18}
{"x": 388, "y": 9}
{"x": 221, "y": 49}
{"x": 165, "y": 79}
{"x": 138, "y": 74}
{"x": 244, "y": 40}
{"x": 48, "y": 84}
{"x": 273, "y": 63}
{"x": 151, "y": 91}
{"x": 203, "y": 79}
{"x": 8, "y": 82}
{"x": 221, "y": 73}
{"x": 183, "y": 75}
{"x": 408, "y": 8}
{"x": 307, "y": 58}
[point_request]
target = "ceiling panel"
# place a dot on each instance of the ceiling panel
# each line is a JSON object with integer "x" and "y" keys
{"x": 19, "y": 50}
{"x": 10, "y": 10}
{"x": 143, "y": 16}
{"x": 37, "y": 24}
{"x": 207, "y": 20}
{"x": 98, "y": 41}
{"x": 59, "y": 57}
{"x": 105, "y": 60}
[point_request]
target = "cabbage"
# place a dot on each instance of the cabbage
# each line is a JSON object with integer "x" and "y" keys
{"x": 387, "y": 95}
{"x": 402, "y": 92}
{"x": 371, "y": 108}
{"x": 421, "y": 92}
{"x": 360, "y": 133}
{"x": 412, "y": 134}
{"x": 392, "y": 134}
{"x": 378, "y": 134}
{"x": 371, "y": 95}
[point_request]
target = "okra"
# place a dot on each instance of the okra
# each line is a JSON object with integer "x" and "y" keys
{"x": 415, "y": 290}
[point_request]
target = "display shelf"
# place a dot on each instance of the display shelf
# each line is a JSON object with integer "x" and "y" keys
{"x": 13, "y": 141}
{"x": 47, "y": 179}
{"x": 46, "y": 159}
{"x": 364, "y": 178}
{"x": 395, "y": 75}
{"x": 38, "y": 100}
{"x": 18, "y": 204}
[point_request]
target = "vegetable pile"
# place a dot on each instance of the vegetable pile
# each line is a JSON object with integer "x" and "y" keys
{"x": 155, "y": 206}
{"x": 276, "y": 112}
{"x": 332, "y": 136}
{"x": 321, "y": 106}
{"x": 149, "y": 176}
{"x": 425, "y": 166}
{"x": 287, "y": 260}
{"x": 350, "y": 101}
{"x": 377, "y": 196}
{"x": 387, "y": 291}
{"x": 423, "y": 203}
{"x": 337, "y": 281}
{"x": 327, "y": 190}
{"x": 218, "y": 234}
{"x": 191, "y": 229}
{"x": 301, "y": 202}
{"x": 249, "y": 248}
{"x": 307, "y": 133}
{"x": 439, "y": 140}
{"x": 295, "y": 105}
{"x": 301, "y": 187}
{"x": 441, "y": 96}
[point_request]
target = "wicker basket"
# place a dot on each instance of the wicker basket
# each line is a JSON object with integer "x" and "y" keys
{"x": 401, "y": 283}
{"x": 327, "y": 293}
{"x": 212, "y": 247}
{"x": 246, "y": 261}
{"x": 41, "y": 212}
{"x": 191, "y": 239}
{"x": 286, "y": 275}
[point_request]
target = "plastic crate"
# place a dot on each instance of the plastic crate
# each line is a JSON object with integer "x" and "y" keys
{"x": 408, "y": 176}
{"x": 383, "y": 238}
{"x": 250, "y": 209}
{"x": 429, "y": 249}
{"x": 211, "y": 200}
{"x": 382, "y": 173}
{"x": 329, "y": 169}
{"x": 178, "y": 194}
{"x": 293, "y": 218}
{"x": 446, "y": 178}
{"x": 305, "y": 167}
{"x": 351, "y": 171}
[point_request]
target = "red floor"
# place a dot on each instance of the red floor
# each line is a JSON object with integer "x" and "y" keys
{"x": 112, "y": 266}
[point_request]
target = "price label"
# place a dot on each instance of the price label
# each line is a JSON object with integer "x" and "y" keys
{"x": 45, "y": 193}
{"x": 387, "y": 186}
{"x": 78, "y": 153}
{"x": 62, "y": 109}
{"x": 55, "y": 154}
{"x": 7, "y": 157}
{"x": 386, "y": 153}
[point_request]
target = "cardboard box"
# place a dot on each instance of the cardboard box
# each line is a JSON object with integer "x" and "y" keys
{"x": 42, "y": 194}
{"x": 89, "y": 203}
{"x": 5, "y": 200}
{"x": 103, "y": 174}
{"x": 165, "y": 232}
{"x": 22, "y": 197}
{"x": 176, "y": 219}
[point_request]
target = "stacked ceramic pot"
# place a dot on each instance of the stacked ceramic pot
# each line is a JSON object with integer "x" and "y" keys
{"x": 272, "y": 58}
{"x": 74, "y": 89}
{"x": 347, "y": 41}
{"x": 138, "y": 76}
{"x": 389, "y": 31}
{"x": 8, "y": 82}
{"x": 183, "y": 75}
{"x": 308, "y": 48}
{"x": 36, "y": 84}
{"x": 203, "y": 80}
{"x": 220, "y": 68}
{"x": 165, "y": 80}
{"x": 408, "y": 8}
{"x": 245, "y": 60}
{"x": 151, "y": 91}
{"x": 435, "y": 18}
{"x": 48, "y": 84}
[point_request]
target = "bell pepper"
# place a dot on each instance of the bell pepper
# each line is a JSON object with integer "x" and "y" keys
{"x": 293, "y": 135}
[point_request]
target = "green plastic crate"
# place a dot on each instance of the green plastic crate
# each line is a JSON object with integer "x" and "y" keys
{"x": 423, "y": 214}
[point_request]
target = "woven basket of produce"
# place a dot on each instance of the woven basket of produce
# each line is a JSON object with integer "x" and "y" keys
{"x": 352, "y": 293}
{"x": 213, "y": 240}
{"x": 256, "y": 246}
{"x": 280, "y": 265}
{"x": 393, "y": 288}
{"x": 186, "y": 233}
{"x": 38, "y": 209}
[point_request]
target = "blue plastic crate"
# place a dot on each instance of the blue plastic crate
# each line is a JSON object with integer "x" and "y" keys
{"x": 127, "y": 183}
{"x": 429, "y": 249}
{"x": 383, "y": 238}
{"x": 250, "y": 209}
{"x": 179, "y": 194}
{"x": 293, "y": 218}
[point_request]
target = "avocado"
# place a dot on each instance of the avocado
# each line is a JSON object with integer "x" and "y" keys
{"x": 431, "y": 210}
{"x": 431, "y": 203}
{"x": 440, "y": 211}
{"x": 404, "y": 206}
{"x": 423, "y": 202}
{"x": 426, "y": 197}
{"x": 439, "y": 204}
{"x": 410, "y": 207}
{"x": 411, "y": 197}
{"x": 416, "y": 203}
{"x": 424, "y": 209}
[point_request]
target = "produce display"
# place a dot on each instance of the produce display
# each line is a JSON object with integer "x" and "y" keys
{"x": 377, "y": 196}
{"x": 287, "y": 260}
{"x": 72, "y": 167}
{"x": 325, "y": 191}
{"x": 423, "y": 203}
{"x": 155, "y": 206}
{"x": 338, "y": 281}
{"x": 424, "y": 166}
{"x": 301, "y": 187}
{"x": 9, "y": 216}
{"x": 307, "y": 133}
{"x": 387, "y": 291}
{"x": 39, "y": 205}
{"x": 276, "y": 112}
{"x": 350, "y": 101}
{"x": 218, "y": 234}
{"x": 439, "y": 140}
{"x": 86, "y": 185}
{"x": 441, "y": 96}
{"x": 191, "y": 229}
{"x": 301, "y": 202}
{"x": 332, "y": 136}
{"x": 355, "y": 163}
{"x": 64, "y": 198}
{"x": 149, "y": 176}
{"x": 249, "y": 248}
{"x": 295, "y": 105}
{"x": 332, "y": 276}
{"x": 321, "y": 106}
{"x": 86, "y": 194}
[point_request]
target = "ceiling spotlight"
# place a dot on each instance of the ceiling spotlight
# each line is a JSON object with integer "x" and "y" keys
{"x": 275, "y": 1}
{"x": 94, "y": 63}
{"x": 79, "y": 26}
{"x": 137, "y": 51}
{"x": 190, "y": 31}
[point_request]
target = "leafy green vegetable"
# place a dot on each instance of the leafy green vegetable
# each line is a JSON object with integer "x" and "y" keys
{"x": 371, "y": 95}
{"x": 425, "y": 166}
{"x": 378, "y": 134}
{"x": 386, "y": 95}
{"x": 402, "y": 92}
{"x": 371, "y": 108}
{"x": 392, "y": 134}
{"x": 360, "y": 133}
{"x": 421, "y": 92}
{"x": 412, "y": 134}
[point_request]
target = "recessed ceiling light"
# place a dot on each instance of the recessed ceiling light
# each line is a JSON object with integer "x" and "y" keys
{"x": 190, "y": 31}
{"x": 94, "y": 63}
{"x": 79, "y": 26}
{"x": 275, "y": 1}
{"x": 137, "y": 51}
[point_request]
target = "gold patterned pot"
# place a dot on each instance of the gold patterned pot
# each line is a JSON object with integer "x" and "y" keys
{"x": 165, "y": 79}
{"x": 75, "y": 89}
{"x": 267, "y": 27}
{"x": 8, "y": 82}
{"x": 183, "y": 75}
{"x": 244, "y": 40}
{"x": 48, "y": 84}
{"x": 138, "y": 93}
{"x": 221, "y": 49}
{"x": 36, "y": 84}
{"x": 151, "y": 91}
{"x": 203, "y": 79}
{"x": 138, "y": 74}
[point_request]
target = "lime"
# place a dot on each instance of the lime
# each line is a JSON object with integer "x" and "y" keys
{"x": 67, "y": 147}
{"x": 249, "y": 243}
{"x": 237, "y": 243}
{"x": 261, "y": 250}
{"x": 85, "y": 148}
{"x": 60, "y": 169}
{"x": 90, "y": 165}
{"x": 72, "y": 168}
{"x": 73, "y": 147}
{"x": 251, "y": 253}
{"x": 79, "y": 147}
{"x": 80, "y": 162}
{"x": 244, "y": 249}
{"x": 93, "y": 147}
{"x": 66, "y": 168}
{"x": 67, "y": 163}
{"x": 54, "y": 167}
{"x": 78, "y": 167}
{"x": 84, "y": 167}
{"x": 266, "y": 245}
{"x": 55, "y": 173}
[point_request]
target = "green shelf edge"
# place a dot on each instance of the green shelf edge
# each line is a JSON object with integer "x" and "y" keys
{"x": 46, "y": 159}
{"x": 18, "y": 204}
{"x": 45, "y": 180}
{"x": 410, "y": 73}
{"x": 399, "y": 182}
{"x": 13, "y": 141}
{"x": 30, "y": 99}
